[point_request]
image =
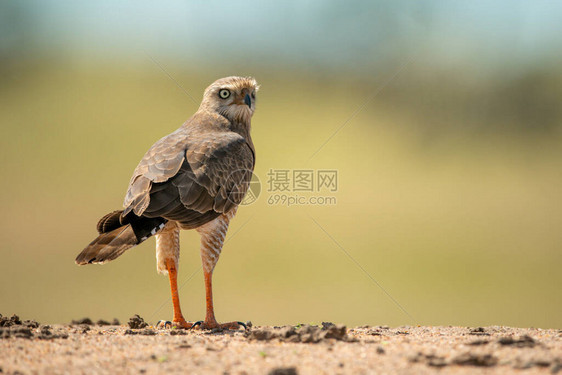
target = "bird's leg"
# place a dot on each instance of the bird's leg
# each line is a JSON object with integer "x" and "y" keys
{"x": 210, "y": 320}
{"x": 212, "y": 238}
{"x": 167, "y": 259}
{"x": 178, "y": 320}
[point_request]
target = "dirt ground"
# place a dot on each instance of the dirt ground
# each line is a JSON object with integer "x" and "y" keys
{"x": 85, "y": 347}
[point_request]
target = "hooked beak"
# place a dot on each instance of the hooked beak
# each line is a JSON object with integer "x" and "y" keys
{"x": 248, "y": 100}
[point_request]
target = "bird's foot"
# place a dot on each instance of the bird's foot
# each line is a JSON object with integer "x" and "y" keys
{"x": 219, "y": 326}
{"x": 180, "y": 323}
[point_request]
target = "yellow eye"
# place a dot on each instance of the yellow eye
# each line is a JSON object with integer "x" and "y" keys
{"x": 224, "y": 93}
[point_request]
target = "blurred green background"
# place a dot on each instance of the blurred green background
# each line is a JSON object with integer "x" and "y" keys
{"x": 443, "y": 119}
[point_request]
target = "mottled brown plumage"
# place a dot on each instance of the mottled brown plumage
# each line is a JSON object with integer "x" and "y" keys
{"x": 193, "y": 178}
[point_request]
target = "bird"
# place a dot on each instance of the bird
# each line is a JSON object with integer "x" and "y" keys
{"x": 193, "y": 178}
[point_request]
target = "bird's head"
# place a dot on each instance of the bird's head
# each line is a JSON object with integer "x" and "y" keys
{"x": 232, "y": 97}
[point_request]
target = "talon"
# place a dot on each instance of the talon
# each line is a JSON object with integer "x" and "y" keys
{"x": 243, "y": 325}
{"x": 198, "y": 323}
{"x": 164, "y": 324}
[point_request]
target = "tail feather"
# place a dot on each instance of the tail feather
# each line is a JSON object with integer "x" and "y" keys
{"x": 108, "y": 246}
{"x": 117, "y": 234}
{"x": 110, "y": 222}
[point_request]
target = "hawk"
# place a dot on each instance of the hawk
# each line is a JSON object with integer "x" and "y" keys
{"x": 193, "y": 178}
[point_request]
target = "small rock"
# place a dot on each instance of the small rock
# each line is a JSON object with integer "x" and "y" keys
{"x": 136, "y": 322}
{"x": 144, "y": 332}
{"x": 30, "y": 323}
{"x": 335, "y": 332}
{"x": 45, "y": 333}
{"x": 541, "y": 363}
{"x": 9, "y": 322}
{"x": 286, "y": 332}
{"x": 471, "y": 359}
{"x": 86, "y": 321}
{"x": 283, "y": 371}
{"x": 478, "y": 342}
{"x": 260, "y": 335}
{"x": 402, "y": 332}
{"x": 524, "y": 341}
{"x": 21, "y": 332}
{"x": 304, "y": 334}
{"x": 478, "y": 331}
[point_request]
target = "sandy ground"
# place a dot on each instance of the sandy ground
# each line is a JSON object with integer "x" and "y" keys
{"x": 27, "y": 347}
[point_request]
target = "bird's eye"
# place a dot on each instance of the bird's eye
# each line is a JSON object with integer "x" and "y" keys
{"x": 253, "y": 95}
{"x": 224, "y": 93}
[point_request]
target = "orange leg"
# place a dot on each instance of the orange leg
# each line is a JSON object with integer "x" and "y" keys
{"x": 178, "y": 319}
{"x": 210, "y": 320}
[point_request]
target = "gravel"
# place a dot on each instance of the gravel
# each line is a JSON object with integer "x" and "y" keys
{"x": 29, "y": 347}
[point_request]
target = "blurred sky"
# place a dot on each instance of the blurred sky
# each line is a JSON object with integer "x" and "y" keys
{"x": 343, "y": 34}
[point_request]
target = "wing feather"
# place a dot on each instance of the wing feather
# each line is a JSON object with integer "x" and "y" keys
{"x": 191, "y": 176}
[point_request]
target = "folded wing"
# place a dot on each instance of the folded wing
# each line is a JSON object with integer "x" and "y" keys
{"x": 191, "y": 178}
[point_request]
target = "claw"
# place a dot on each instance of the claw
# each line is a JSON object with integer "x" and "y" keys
{"x": 243, "y": 325}
{"x": 198, "y": 323}
{"x": 164, "y": 324}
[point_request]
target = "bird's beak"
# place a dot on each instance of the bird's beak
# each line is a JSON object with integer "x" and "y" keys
{"x": 248, "y": 100}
